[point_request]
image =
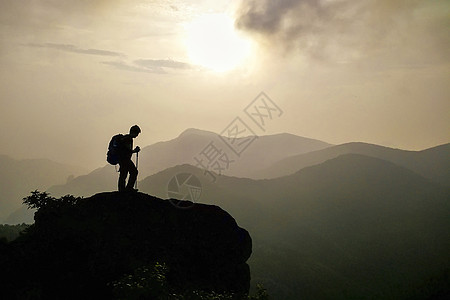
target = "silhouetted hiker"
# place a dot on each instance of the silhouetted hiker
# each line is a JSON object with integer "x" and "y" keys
{"x": 119, "y": 152}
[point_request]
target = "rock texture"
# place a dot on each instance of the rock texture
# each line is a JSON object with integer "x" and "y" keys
{"x": 76, "y": 250}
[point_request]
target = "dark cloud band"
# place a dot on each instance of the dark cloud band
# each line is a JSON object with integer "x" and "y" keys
{"x": 342, "y": 30}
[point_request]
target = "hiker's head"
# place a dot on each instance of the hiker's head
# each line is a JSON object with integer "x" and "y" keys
{"x": 135, "y": 130}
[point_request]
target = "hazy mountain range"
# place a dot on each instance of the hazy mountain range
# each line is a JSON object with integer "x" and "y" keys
{"x": 261, "y": 153}
{"x": 267, "y": 157}
{"x": 265, "y": 151}
{"x": 262, "y": 160}
{"x": 346, "y": 221}
{"x": 432, "y": 163}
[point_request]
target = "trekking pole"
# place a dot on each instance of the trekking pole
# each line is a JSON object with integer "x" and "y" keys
{"x": 137, "y": 162}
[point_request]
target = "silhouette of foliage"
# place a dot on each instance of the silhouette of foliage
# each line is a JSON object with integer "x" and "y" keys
{"x": 40, "y": 200}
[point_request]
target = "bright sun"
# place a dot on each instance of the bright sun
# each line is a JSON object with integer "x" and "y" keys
{"x": 212, "y": 42}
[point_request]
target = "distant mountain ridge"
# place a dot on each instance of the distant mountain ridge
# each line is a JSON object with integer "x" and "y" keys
{"x": 267, "y": 157}
{"x": 157, "y": 157}
{"x": 262, "y": 152}
{"x": 432, "y": 163}
{"x": 182, "y": 150}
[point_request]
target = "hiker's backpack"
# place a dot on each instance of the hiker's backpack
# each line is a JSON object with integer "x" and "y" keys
{"x": 114, "y": 149}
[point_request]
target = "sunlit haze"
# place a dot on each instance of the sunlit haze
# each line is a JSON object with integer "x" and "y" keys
{"x": 74, "y": 73}
{"x": 213, "y": 42}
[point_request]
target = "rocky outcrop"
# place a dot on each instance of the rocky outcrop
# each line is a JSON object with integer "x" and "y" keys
{"x": 76, "y": 250}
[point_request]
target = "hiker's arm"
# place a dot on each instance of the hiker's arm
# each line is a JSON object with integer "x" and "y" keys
{"x": 126, "y": 145}
{"x": 137, "y": 149}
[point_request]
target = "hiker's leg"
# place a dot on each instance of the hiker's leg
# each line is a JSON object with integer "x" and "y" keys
{"x": 133, "y": 175}
{"x": 122, "y": 175}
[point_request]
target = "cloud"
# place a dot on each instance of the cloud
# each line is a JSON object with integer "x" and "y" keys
{"x": 163, "y": 63}
{"x": 120, "y": 65}
{"x": 157, "y": 66}
{"x": 343, "y": 30}
{"x": 75, "y": 49}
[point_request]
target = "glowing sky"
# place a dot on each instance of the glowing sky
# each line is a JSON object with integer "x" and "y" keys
{"x": 75, "y": 72}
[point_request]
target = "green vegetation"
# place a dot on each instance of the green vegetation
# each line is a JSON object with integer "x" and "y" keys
{"x": 150, "y": 283}
{"x": 11, "y": 232}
